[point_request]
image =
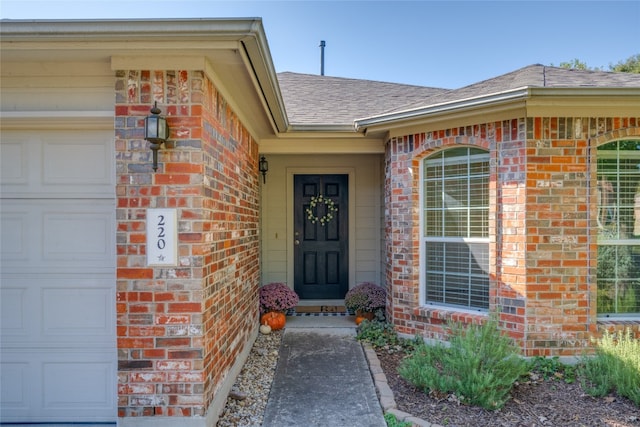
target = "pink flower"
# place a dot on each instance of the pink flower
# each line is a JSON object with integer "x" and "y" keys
{"x": 366, "y": 297}
{"x": 277, "y": 297}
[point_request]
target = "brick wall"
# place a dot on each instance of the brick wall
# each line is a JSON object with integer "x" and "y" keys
{"x": 558, "y": 242}
{"x": 180, "y": 329}
{"x": 542, "y": 229}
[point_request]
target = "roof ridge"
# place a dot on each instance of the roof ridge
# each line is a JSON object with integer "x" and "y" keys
{"x": 356, "y": 80}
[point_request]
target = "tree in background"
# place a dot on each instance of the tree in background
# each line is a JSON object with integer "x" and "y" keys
{"x": 576, "y": 64}
{"x": 631, "y": 65}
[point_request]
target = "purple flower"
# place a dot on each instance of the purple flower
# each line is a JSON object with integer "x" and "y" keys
{"x": 366, "y": 297}
{"x": 277, "y": 297}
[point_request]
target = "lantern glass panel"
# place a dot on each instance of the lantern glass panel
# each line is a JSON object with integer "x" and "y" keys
{"x": 151, "y": 130}
{"x": 163, "y": 131}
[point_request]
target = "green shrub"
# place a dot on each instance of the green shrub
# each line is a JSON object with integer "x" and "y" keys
{"x": 383, "y": 335}
{"x": 378, "y": 334}
{"x": 393, "y": 421}
{"x": 615, "y": 366}
{"x": 552, "y": 369}
{"x": 480, "y": 365}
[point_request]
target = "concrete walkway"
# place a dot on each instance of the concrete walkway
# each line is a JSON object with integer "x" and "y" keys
{"x": 322, "y": 377}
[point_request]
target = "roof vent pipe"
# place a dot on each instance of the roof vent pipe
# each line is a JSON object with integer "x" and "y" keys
{"x": 322, "y": 45}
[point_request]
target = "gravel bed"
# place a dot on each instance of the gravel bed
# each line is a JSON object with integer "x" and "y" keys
{"x": 249, "y": 394}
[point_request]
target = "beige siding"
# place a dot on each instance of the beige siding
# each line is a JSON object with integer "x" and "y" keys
{"x": 365, "y": 186}
{"x": 48, "y": 87}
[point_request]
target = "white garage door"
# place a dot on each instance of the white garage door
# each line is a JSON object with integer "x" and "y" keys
{"x": 57, "y": 281}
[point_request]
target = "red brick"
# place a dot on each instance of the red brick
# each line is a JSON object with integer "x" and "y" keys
{"x": 166, "y": 179}
{"x": 184, "y": 168}
{"x": 193, "y": 307}
{"x": 135, "y": 273}
{"x": 172, "y": 342}
{"x": 173, "y": 319}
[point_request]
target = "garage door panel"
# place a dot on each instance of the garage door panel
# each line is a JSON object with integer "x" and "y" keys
{"x": 58, "y": 385}
{"x": 14, "y": 386}
{"x": 57, "y": 164}
{"x": 59, "y": 312}
{"x": 76, "y": 236}
{"x": 78, "y": 384}
{"x": 70, "y": 159}
{"x": 14, "y": 226}
{"x": 13, "y": 160}
{"x": 72, "y": 312}
{"x": 57, "y": 235}
{"x": 13, "y": 318}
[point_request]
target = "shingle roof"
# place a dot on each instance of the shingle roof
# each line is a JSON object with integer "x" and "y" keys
{"x": 321, "y": 100}
{"x": 535, "y": 76}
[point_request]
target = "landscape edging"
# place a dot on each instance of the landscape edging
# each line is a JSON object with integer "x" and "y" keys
{"x": 385, "y": 394}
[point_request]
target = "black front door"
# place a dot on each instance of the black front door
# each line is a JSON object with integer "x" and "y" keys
{"x": 321, "y": 244}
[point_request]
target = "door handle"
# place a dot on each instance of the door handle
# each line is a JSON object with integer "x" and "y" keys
{"x": 297, "y": 242}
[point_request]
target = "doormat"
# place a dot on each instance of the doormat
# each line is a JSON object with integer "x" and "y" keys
{"x": 320, "y": 310}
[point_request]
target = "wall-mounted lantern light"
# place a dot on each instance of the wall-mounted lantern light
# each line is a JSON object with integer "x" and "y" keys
{"x": 263, "y": 167}
{"x": 156, "y": 131}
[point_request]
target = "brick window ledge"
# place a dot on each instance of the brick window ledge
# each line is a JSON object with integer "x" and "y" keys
{"x": 446, "y": 314}
{"x": 615, "y": 324}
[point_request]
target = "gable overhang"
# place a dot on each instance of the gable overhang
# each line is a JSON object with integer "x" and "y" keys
{"x": 516, "y": 103}
{"x": 233, "y": 52}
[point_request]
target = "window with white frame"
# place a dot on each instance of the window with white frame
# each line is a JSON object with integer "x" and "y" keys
{"x": 618, "y": 219}
{"x": 455, "y": 229}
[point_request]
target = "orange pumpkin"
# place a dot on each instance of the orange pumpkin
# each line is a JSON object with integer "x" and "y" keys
{"x": 275, "y": 319}
{"x": 362, "y": 315}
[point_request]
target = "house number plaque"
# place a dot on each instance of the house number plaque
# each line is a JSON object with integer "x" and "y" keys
{"x": 162, "y": 241}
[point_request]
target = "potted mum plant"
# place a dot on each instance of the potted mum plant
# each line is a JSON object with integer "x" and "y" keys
{"x": 367, "y": 300}
{"x": 275, "y": 300}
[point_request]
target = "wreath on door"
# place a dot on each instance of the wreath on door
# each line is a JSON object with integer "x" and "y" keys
{"x": 330, "y": 209}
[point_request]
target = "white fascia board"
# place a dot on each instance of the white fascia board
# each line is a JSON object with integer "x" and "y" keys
{"x": 322, "y": 128}
{"x": 127, "y": 29}
{"x": 361, "y": 125}
{"x": 257, "y": 58}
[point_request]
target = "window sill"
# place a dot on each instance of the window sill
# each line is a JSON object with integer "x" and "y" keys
{"x": 619, "y": 324}
{"x": 446, "y": 314}
{"x": 627, "y": 320}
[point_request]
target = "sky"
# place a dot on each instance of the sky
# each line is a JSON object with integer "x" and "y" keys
{"x": 446, "y": 44}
